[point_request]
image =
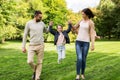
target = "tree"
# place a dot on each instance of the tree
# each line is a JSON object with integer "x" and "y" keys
{"x": 107, "y": 20}
{"x": 104, "y": 25}
{"x": 115, "y": 13}
{"x": 7, "y": 27}
{"x": 56, "y": 12}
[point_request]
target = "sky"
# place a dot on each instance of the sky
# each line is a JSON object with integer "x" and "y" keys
{"x": 77, "y": 5}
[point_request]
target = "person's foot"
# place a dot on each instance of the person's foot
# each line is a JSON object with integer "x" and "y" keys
{"x": 77, "y": 77}
{"x": 83, "y": 77}
{"x": 33, "y": 76}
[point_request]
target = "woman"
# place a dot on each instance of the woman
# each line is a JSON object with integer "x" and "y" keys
{"x": 86, "y": 33}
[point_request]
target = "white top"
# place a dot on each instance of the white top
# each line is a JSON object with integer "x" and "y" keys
{"x": 61, "y": 39}
{"x": 83, "y": 32}
{"x": 35, "y": 30}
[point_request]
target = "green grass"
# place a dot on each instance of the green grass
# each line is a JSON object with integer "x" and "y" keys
{"x": 102, "y": 64}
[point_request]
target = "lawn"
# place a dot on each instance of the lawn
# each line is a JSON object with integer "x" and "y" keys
{"x": 102, "y": 64}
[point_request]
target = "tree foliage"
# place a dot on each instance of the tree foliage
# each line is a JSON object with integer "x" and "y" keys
{"x": 15, "y": 13}
{"x": 107, "y": 21}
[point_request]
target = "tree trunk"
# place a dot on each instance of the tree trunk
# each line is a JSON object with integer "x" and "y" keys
{"x": 3, "y": 40}
{"x": 109, "y": 35}
{"x": 118, "y": 37}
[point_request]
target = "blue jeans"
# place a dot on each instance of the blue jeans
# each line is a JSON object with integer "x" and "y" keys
{"x": 81, "y": 51}
{"x": 61, "y": 51}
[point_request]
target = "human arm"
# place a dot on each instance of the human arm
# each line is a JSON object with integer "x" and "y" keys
{"x": 76, "y": 27}
{"x": 69, "y": 26}
{"x": 50, "y": 28}
{"x": 26, "y": 30}
{"x": 92, "y": 35}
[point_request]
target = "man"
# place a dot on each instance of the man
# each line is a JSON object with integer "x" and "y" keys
{"x": 35, "y": 28}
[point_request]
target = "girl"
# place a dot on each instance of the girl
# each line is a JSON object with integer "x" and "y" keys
{"x": 60, "y": 39}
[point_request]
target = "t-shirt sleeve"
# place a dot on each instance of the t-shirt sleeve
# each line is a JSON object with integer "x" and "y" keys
{"x": 26, "y": 31}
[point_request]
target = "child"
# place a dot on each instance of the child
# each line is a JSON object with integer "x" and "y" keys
{"x": 60, "y": 39}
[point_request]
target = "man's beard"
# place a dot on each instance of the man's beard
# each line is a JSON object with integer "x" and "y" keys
{"x": 38, "y": 20}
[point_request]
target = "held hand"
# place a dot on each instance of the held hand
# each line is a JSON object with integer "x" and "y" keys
{"x": 92, "y": 47}
{"x": 24, "y": 50}
{"x": 69, "y": 22}
{"x": 74, "y": 28}
{"x": 51, "y": 23}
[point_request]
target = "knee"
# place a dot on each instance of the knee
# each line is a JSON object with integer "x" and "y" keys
{"x": 29, "y": 62}
{"x": 79, "y": 59}
{"x": 39, "y": 62}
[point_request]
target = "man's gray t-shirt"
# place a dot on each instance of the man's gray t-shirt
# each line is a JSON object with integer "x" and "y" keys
{"x": 35, "y": 30}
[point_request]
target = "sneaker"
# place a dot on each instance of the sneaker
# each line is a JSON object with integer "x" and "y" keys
{"x": 33, "y": 76}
